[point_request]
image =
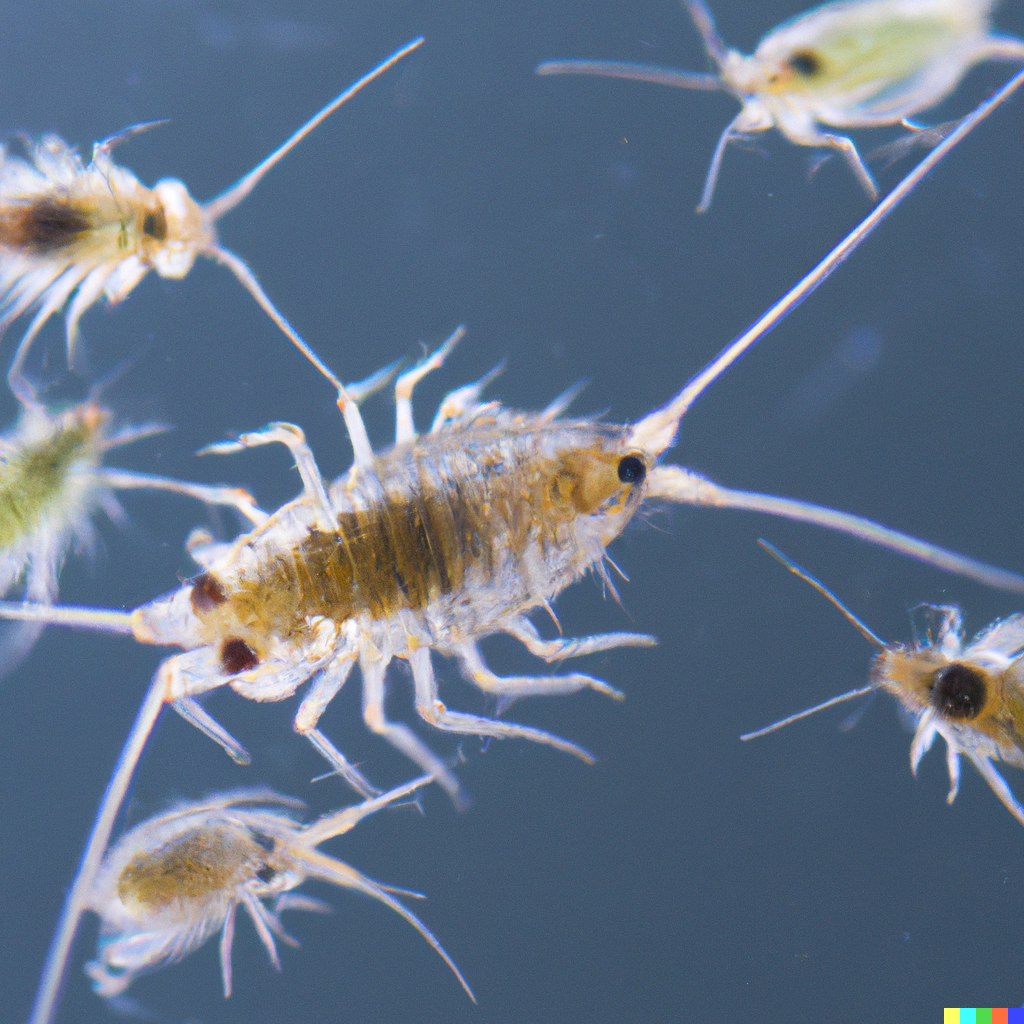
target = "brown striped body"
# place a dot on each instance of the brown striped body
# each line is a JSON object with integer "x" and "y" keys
{"x": 461, "y": 528}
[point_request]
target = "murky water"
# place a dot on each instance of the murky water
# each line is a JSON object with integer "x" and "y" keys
{"x": 686, "y": 877}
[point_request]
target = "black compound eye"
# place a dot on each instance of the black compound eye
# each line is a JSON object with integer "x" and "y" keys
{"x": 632, "y": 470}
{"x": 958, "y": 692}
{"x": 805, "y": 63}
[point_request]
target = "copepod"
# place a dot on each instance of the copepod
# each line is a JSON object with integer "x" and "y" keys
{"x": 971, "y": 693}
{"x": 173, "y": 881}
{"x": 52, "y": 482}
{"x": 850, "y": 64}
{"x": 71, "y": 233}
{"x": 432, "y": 545}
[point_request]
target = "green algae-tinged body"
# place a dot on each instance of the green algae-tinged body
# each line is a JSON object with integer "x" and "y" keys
{"x": 40, "y": 478}
{"x": 851, "y": 64}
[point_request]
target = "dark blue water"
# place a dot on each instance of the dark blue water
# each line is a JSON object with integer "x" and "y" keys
{"x": 686, "y": 877}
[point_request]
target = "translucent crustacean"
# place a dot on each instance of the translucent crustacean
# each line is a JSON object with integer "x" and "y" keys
{"x": 848, "y": 64}
{"x": 430, "y": 546}
{"x": 92, "y": 230}
{"x": 170, "y": 883}
{"x": 969, "y": 693}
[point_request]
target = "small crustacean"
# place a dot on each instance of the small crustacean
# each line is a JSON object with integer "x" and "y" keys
{"x": 173, "y": 881}
{"x": 52, "y": 482}
{"x": 92, "y": 230}
{"x": 969, "y": 693}
{"x": 848, "y": 64}
{"x": 431, "y": 546}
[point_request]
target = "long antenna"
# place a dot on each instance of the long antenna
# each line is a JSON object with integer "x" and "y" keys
{"x": 231, "y": 197}
{"x": 799, "y": 570}
{"x": 654, "y": 73}
{"x": 849, "y": 695}
{"x": 810, "y": 283}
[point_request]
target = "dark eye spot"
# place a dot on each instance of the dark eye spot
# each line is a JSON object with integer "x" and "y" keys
{"x": 805, "y": 62}
{"x": 958, "y": 692}
{"x": 262, "y": 840}
{"x": 206, "y": 593}
{"x": 237, "y": 656}
{"x": 266, "y": 874}
{"x": 632, "y": 470}
{"x": 154, "y": 224}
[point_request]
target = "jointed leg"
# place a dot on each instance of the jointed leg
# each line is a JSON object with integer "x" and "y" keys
{"x": 399, "y": 735}
{"x": 405, "y": 429}
{"x": 322, "y": 691}
{"x": 293, "y": 438}
{"x": 572, "y": 647}
{"x": 476, "y": 671}
{"x": 463, "y": 400}
{"x": 432, "y": 710}
{"x": 234, "y": 497}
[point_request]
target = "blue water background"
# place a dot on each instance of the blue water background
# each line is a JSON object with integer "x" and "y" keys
{"x": 685, "y": 877}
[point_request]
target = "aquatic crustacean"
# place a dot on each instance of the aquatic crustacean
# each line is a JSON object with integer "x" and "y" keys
{"x": 430, "y": 546}
{"x": 847, "y": 64}
{"x": 969, "y": 693}
{"x": 93, "y": 230}
{"x": 171, "y": 882}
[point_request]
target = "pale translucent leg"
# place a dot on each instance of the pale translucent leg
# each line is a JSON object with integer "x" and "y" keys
{"x": 195, "y": 714}
{"x": 953, "y": 767}
{"x": 432, "y": 710}
{"x": 322, "y": 691}
{"x": 54, "y": 297}
{"x": 749, "y": 119}
{"x": 405, "y": 429}
{"x": 809, "y": 135}
{"x": 233, "y": 497}
{"x": 463, "y": 400}
{"x": 261, "y": 922}
{"x": 998, "y": 784}
{"x": 1000, "y": 47}
{"x": 337, "y": 823}
{"x": 227, "y": 938}
{"x": 203, "y": 549}
{"x": 705, "y": 23}
{"x": 572, "y": 647}
{"x": 88, "y": 293}
{"x": 555, "y": 409}
{"x": 319, "y": 865}
{"x": 476, "y": 671}
{"x": 295, "y": 440}
{"x": 399, "y": 735}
